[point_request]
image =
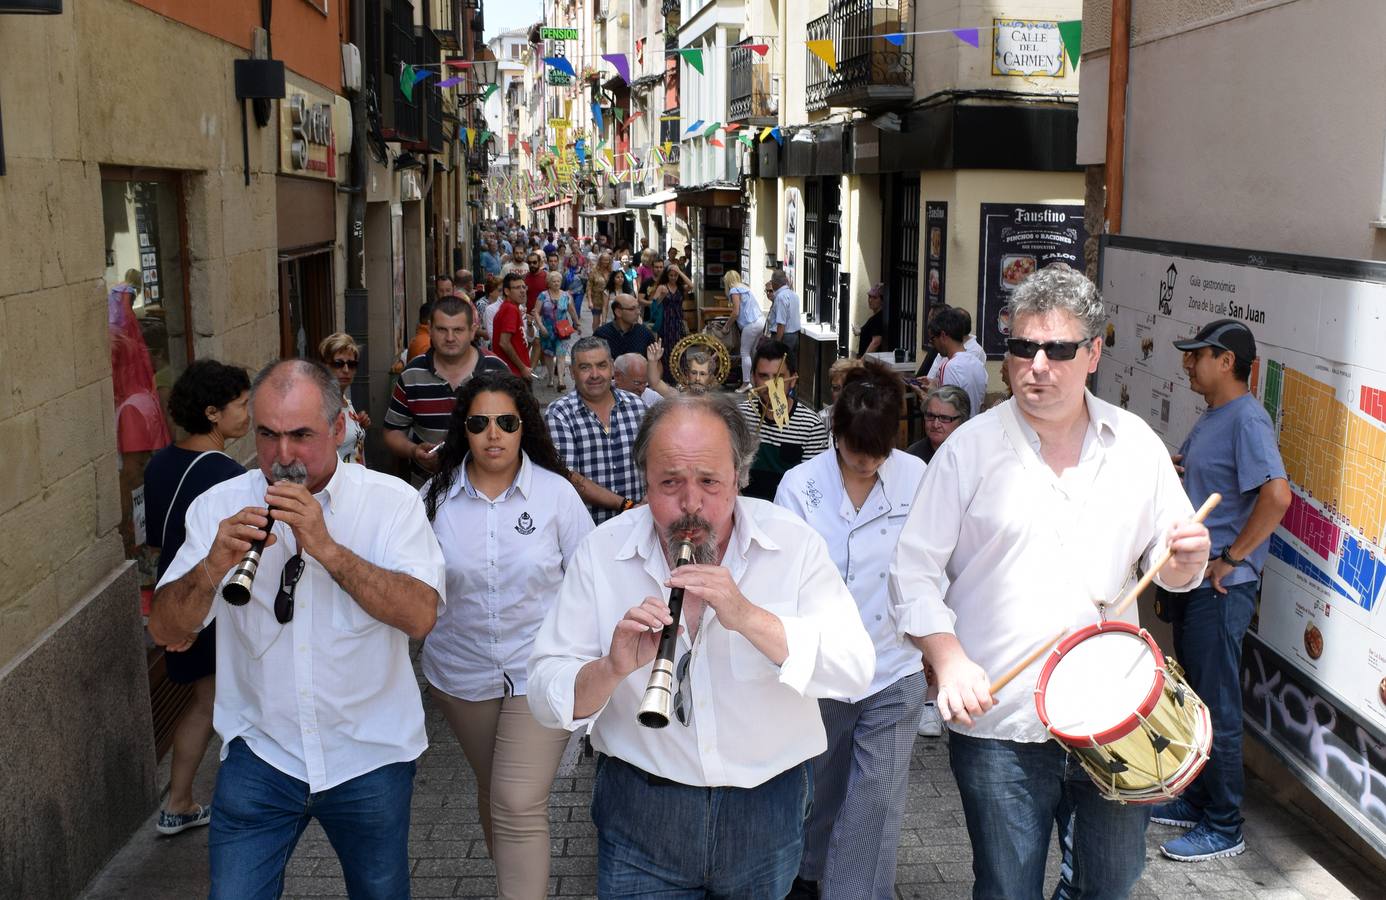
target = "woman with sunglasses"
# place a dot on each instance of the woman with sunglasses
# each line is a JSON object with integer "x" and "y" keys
{"x": 945, "y": 408}
{"x": 508, "y": 520}
{"x": 342, "y": 355}
{"x": 858, "y": 498}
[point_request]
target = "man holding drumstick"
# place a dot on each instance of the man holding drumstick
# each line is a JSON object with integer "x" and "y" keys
{"x": 1031, "y": 518}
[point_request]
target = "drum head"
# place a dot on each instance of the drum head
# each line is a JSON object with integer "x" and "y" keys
{"x": 1098, "y": 684}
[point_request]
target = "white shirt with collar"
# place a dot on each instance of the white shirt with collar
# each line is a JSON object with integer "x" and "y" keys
{"x": 971, "y": 346}
{"x": 332, "y": 694}
{"x": 964, "y": 371}
{"x": 751, "y": 719}
{"x": 784, "y": 310}
{"x": 651, "y": 397}
{"x": 505, "y": 560}
{"x": 1004, "y": 553}
{"x": 862, "y": 544}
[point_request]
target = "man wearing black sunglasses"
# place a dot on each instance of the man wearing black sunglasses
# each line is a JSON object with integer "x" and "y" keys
{"x": 317, "y": 705}
{"x": 1031, "y": 517}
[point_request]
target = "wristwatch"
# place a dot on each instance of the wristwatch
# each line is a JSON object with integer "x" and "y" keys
{"x": 1228, "y": 558}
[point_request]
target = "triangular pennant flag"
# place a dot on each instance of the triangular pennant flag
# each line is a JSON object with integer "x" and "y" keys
{"x": 731, "y": 126}
{"x": 694, "y": 127}
{"x": 716, "y": 143}
{"x": 759, "y": 49}
{"x": 597, "y": 115}
{"x": 966, "y": 35}
{"x": 484, "y": 135}
{"x": 746, "y": 139}
{"x": 581, "y": 148}
{"x": 458, "y": 63}
{"x": 450, "y": 82}
{"x": 619, "y": 113}
{"x": 467, "y": 136}
{"x": 406, "y": 81}
{"x": 1071, "y": 32}
{"x": 695, "y": 58}
{"x": 824, "y": 50}
{"x": 490, "y": 89}
{"x": 622, "y": 64}
{"x": 898, "y": 38}
{"x": 712, "y": 129}
{"x": 528, "y": 149}
{"x": 765, "y": 132}
{"x": 668, "y": 148}
{"x": 777, "y": 135}
{"x": 561, "y": 64}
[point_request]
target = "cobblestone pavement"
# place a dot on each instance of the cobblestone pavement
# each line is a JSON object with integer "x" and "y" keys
{"x": 1288, "y": 858}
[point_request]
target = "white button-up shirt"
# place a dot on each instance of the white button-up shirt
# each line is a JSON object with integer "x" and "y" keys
{"x": 784, "y": 310}
{"x": 751, "y": 719}
{"x": 862, "y": 544}
{"x": 331, "y": 695}
{"x": 505, "y": 560}
{"x": 1004, "y": 553}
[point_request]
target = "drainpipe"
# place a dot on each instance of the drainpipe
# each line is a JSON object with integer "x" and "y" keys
{"x": 1117, "y": 79}
{"x": 355, "y": 296}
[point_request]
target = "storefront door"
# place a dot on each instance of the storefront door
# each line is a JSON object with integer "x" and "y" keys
{"x": 900, "y": 221}
{"x": 305, "y": 302}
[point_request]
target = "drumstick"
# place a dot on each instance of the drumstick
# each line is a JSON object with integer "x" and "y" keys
{"x": 1208, "y": 506}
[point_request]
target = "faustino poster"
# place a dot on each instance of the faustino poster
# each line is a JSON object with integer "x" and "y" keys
{"x": 1314, "y": 664}
{"x": 1016, "y": 239}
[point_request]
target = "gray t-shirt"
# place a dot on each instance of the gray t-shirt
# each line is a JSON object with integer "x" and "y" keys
{"x": 1232, "y": 450}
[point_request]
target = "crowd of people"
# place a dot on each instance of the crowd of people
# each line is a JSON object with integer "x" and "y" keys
{"x": 844, "y": 596}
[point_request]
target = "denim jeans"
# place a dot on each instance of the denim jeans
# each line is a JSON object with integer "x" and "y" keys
{"x": 260, "y": 813}
{"x": 656, "y": 838}
{"x": 1013, "y": 793}
{"x": 1208, "y": 632}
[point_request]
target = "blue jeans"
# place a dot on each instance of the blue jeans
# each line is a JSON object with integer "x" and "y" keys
{"x": 1013, "y": 793}
{"x": 1208, "y": 632}
{"x": 260, "y": 813}
{"x": 656, "y": 838}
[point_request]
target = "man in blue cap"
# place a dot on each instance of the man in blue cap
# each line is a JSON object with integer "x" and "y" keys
{"x": 1232, "y": 450}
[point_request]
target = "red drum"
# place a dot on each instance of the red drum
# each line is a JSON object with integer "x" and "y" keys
{"x": 1111, "y": 698}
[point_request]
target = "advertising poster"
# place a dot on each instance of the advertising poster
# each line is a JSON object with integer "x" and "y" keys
{"x": 1016, "y": 239}
{"x": 793, "y": 209}
{"x": 935, "y": 253}
{"x": 1314, "y": 665}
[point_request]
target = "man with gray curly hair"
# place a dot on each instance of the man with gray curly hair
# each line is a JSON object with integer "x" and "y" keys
{"x": 1033, "y": 517}
{"x": 715, "y": 802}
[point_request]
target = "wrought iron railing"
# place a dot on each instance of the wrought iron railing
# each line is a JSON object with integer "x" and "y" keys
{"x": 817, "y": 75}
{"x": 431, "y": 50}
{"x": 865, "y": 58}
{"x": 404, "y": 119}
{"x": 749, "y": 92}
{"x": 669, "y": 6}
{"x": 449, "y": 24}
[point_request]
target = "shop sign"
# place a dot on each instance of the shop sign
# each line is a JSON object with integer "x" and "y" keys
{"x": 1027, "y": 48}
{"x": 552, "y": 75}
{"x": 935, "y": 253}
{"x": 1016, "y": 240}
{"x": 558, "y": 34}
{"x": 307, "y": 136}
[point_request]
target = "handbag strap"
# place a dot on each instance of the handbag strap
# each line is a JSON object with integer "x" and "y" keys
{"x": 173, "y": 501}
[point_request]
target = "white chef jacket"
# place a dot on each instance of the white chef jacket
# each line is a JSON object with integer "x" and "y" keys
{"x": 862, "y": 544}
{"x": 505, "y": 560}
{"x": 1004, "y": 553}
{"x": 332, "y": 694}
{"x": 752, "y": 720}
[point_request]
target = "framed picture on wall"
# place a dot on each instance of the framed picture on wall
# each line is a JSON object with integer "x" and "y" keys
{"x": 714, "y": 243}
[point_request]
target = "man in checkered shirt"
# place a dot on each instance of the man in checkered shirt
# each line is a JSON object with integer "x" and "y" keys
{"x": 594, "y": 428}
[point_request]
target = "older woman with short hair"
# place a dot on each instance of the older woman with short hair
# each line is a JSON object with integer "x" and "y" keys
{"x": 945, "y": 408}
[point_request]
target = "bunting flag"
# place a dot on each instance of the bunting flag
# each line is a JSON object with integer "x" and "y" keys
{"x": 759, "y": 49}
{"x": 694, "y": 127}
{"x": 406, "y": 81}
{"x": 765, "y": 132}
{"x": 561, "y": 64}
{"x": 512, "y": 139}
{"x": 825, "y": 50}
{"x": 966, "y": 35}
{"x": 481, "y": 141}
{"x": 450, "y": 82}
{"x": 695, "y": 58}
{"x": 581, "y": 148}
{"x": 467, "y": 136}
{"x": 897, "y": 38}
{"x": 712, "y": 129}
{"x": 528, "y": 149}
{"x": 1071, "y": 33}
{"x": 458, "y": 63}
{"x": 490, "y": 89}
{"x": 777, "y": 135}
{"x": 597, "y": 115}
{"x": 668, "y": 148}
{"x": 746, "y": 139}
{"x": 631, "y": 118}
{"x": 619, "y": 113}
{"x": 731, "y": 126}
{"x": 622, "y": 64}
{"x": 716, "y": 143}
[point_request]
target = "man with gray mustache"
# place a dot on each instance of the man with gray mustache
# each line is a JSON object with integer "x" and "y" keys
{"x": 715, "y": 802}
{"x": 316, "y": 704}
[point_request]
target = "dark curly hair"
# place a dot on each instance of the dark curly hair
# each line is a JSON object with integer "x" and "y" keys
{"x": 867, "y": 412}
{"x": 204, "y": 383}
{"x": 534, "y": 434}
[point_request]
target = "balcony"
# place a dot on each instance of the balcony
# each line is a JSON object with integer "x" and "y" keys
{"x": 401, "y": 119}
{"x": 871, "y": 71}
{"x": 430, "y": 50}
{"x": 750, "y": 96}
{"x": 668, "y": 7}
{"x": 448, "y": 28}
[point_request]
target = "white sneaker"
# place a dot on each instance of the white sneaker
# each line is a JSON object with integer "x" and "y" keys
{"x": 930, "y": 723}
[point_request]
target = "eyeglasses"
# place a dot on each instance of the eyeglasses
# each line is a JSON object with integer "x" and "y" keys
{"x": 508, "y": 422}
{"x": 288, "y": 581}
{"x": 683, "y": 697}
{"x": 1059, "y": 351}
{"x": 345, "y": 363}
{"x": 940, "y": 417}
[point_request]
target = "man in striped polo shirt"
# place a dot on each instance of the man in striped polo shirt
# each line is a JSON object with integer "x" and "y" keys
{"x": 426, "y": 391}
{"x": 803, "y": 437}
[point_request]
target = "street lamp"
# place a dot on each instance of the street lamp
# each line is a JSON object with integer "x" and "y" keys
{"x": 483, "y": 75}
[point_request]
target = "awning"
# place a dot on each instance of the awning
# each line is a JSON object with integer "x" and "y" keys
{"x": 650, "y": 200}
{"x": 552, "y": 203}
{"x": 609, "y": 211}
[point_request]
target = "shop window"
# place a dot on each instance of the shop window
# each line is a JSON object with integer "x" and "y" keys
{"x": 305, "y": 302}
